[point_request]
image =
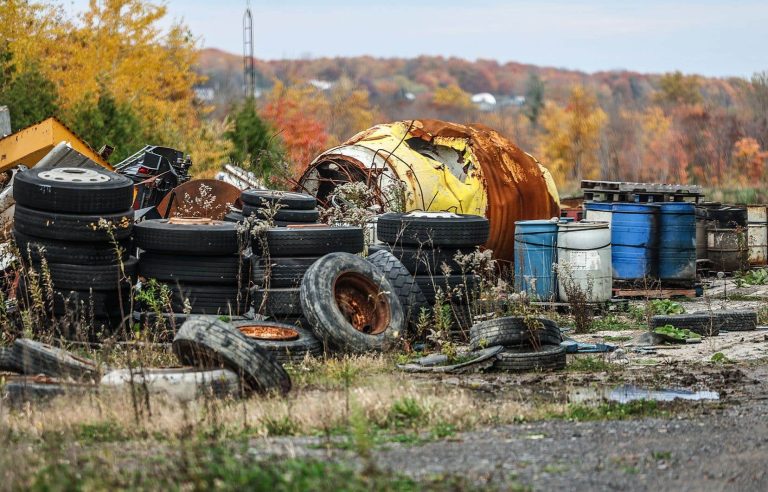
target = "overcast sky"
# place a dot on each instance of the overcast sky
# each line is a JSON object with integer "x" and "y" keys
{"x": 716, "y": 38}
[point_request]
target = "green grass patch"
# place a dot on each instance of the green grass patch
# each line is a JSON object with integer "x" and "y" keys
{"x": 619, "y": 338}
{"x": 613, "y": 322}
{"x": 590, "y": 363}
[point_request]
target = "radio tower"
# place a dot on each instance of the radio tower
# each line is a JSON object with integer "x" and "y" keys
{"x": 249, "y": 72}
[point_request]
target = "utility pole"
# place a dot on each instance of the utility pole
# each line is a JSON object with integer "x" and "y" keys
{"x": 249, "y": 72}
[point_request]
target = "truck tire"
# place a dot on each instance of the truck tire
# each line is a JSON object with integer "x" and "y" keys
{"x": 350, "y": 304}
{"x": 313, "y": 241}
{"x": 512, "y": 331}
{"x": 208, "y": 299}
{"x": 427, "y": 261}
{"x": 189, "y": 269}
{"x": 284, "y": 214}
{"x": 73, "y": 190}
{"x": 549, "y": 358}
{"x": 94, "y": 276}
{"x": 215, "y": 238}
{"x": 279, "y": 302}
{"x": 71, "y": 227}
{"x": 405, "y": 286}
{"x": 209, "y": 343}
{"x": 102, "y": 304}
{"x": 285, "y": 351}
{"x": 33, "y": 357}
{"x": 288, "y": 199}
{"x": 426, "y": 229}
{"x": 284, "y": 272}
{"x": 429, "y": 285}
{"x": 71, "y": 252}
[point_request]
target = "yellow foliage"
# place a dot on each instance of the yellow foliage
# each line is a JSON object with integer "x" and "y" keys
{"x": 350, "y": 110}
{"x": 451, "y": 97}
{"x": 210, "y": 149}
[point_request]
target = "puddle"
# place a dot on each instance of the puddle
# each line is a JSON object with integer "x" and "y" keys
{"x": 627, "y": 393}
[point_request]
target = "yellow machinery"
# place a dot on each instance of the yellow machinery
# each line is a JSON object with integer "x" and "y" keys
{"x": 29, "y": 145}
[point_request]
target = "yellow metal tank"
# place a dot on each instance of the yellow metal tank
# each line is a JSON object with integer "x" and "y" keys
{"x": 444, "y": 167}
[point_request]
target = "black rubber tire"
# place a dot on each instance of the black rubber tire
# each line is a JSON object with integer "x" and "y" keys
{"x": 284, "y": 214}
{"x": 549, "y": 358}
{"x": 94, "y": 276}
{"x": 702, "y": 323}
{"x": 8, "y": 361}
{"x": 103, "y": 304}
{"x": 327, "y": 319}
{"x": 22, "y": 390}
{"x": 457, "y": 232}
{"x": 512, "y": 331}
{"x": 209, "y": 342}
{"x": 313, "y": 241}
{"x": 287, "y": 351}
{"x": 69, "y": 251}
{"x": 216, "y": 239}
{"x": 411, "y": 298}
{"x": 33, "y": 357}
{"x": 736, "y": 320}
{"x": 279, "y": 303}
{"x": 113, "y": 195}
{"x": 188, "y": 269}
{"x": 284, "y": 272}
{"x": 234, "y": 217}
{"x": 429, "y": 285}
{"x": 288, "y": 199}
{"x": 70, "y": 227}
{"x": 424, "y": 261}
{"x": 208, "y": 299}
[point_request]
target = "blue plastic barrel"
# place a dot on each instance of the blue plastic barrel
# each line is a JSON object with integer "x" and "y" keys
{"x": 634, "y": 240}
{"x": 535, "y": 253}
{"x": 598, "y": 211}
{"x": 677, "y": 241}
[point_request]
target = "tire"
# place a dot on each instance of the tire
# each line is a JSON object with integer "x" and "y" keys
{"x": 425, "y": 261}
{"x": 234, "y": 217}
{"x": 69, "y": 251}
{"x": 288, "y": 199}
{"x": 208, "y": 270}
{"x": 109, "y": 193}
{"x": 736, "y": 320}
{"x": 284, "y": 214}
{"x": 208, "y": 299}
{"x": 218, "y": 238}
{"x": 549, "y": 358}
{"x": 286, "y": 351}
{"x": 210, "y": 343}
{"x": 8, "y": 361}
{"x": 429, "y": 285}
{"x": 411, "y": 298}
{"x": 702, "y": 323}
{"x": 280, "y": 302}
{"x": 313, "y": 241}
{"x": 285, "y": 272}
{"x": 184, "y": 383}
{"x": 512, "y": 331}
{"x": 456, "y": 231}
{"x": 22, "y": 390}
{"x": 367, "y": 299}
{"x": 70, "y": 227}
{"x": 34, "y": 358}
{"x": 101, "y": 304}
{"x": 96, "y": 277}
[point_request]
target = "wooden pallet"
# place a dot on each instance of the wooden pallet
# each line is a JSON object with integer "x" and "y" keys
{"x": 663, "y": 293}
{"x": 629, "y": 187}
{"x": 638, "y": 197}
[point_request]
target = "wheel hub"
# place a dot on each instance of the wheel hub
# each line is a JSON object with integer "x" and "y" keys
{"x": 260, "y": 332}
{"x": 362, "y": 303}
{"x": 74, "y": 175}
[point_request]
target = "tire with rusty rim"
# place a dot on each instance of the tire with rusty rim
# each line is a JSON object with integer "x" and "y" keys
{"x": 209, "y": 270}
{"x": 350, "y": 304}
{"x": 69, "y": 251}
{"x": 548, "y": 358}
{"x": 73, "y": 190}
{"x": 288, "y": 199}
{"x": 513, "y": 331}
{"x": 405, "y": 286}
{"x": 292, "y": 350}
{"x": 188, "y": 236}
{"x": 72, "y": 227}
{"x": 279, "y": 302}
{"x": 312, "y": 241}
{"x": 208, "y": 343}
{"x": 433, "y": 229}
{"x": 33, "y": 357}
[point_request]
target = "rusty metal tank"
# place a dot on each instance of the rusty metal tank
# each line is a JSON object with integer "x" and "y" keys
{"x": 440, "y": 166}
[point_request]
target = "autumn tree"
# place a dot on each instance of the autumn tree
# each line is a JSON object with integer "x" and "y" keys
{"x": 676, "y": 88}
{"x": 30, "y": 96}
{"x": 350, "y": 110}
{"x": 749, "y": 162}
{"x": 102, "y": 120}
{"x": 451, "y": 97}
{"x": 255, "y": 146}
{"x": 534, "y": 98}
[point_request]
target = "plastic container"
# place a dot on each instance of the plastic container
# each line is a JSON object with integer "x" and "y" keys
{"x": 584, "y": 260}
{"x": 677, "y": 241}
{"x": 598, "y": 212}
{"x": 634, "y": 241}
{"x": 535, "y": 254}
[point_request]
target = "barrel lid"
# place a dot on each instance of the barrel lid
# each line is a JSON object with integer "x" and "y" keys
{"x": 606, "y": 206}
{"x": 648, "y": 208}
{"x": 535, "y": 222}
{"x": 677, "y": 207}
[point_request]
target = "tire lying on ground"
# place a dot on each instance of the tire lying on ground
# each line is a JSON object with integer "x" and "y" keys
{"x": 701, "y": 323}
{"x": 209, "y": 343}
{"x": 187, "y": 236}
{"x": 549, "y": 358}
{"x": 279, "y": 302}
{"x": 33, "y": 357}
{"x": 514, "y": 331}
{"x": 210, "y": 270}
{"x": 8, "y": 361}
{"x": 71, "y": 227}
{"x": 350, "y": 304}
{"x": 184, "y": 383}
{"x": 69, "y": 251}
{"x": 39, "y": 389}
{"x": 403, "y": 283}
{"x": 288, "y": 199}
{"x": 286, "y": 342}
{"x": 313, "y": 241}
{"x": 433, "y": 229}
{"x": 736, "y": 320}
{"x": 73, "y": 190}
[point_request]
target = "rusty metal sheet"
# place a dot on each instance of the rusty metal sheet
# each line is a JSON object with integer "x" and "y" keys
{"x": 445, "y": 167}
{"x": 208, "y": 198}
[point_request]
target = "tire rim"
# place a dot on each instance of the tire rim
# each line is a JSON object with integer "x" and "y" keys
{"x": 361, "y": 302}
{"x": 260, "y": 332}
{"x": 193, "y": 221}
{"x": 74, "y": 175}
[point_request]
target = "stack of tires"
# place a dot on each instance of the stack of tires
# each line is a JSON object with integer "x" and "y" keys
{"x": 292, "y": 208}
{"x": 79, "y": 220}
{"x": 199, "y": 261}
{"x": 277, "y": 270}
{"x": 529, "y": 344}
{"x": 427, "y": 244}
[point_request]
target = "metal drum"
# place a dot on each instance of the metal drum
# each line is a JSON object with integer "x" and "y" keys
{"x": 535, "y": 253}
{"x": 677, "y": 241}
{"x": 727, "y": 249}
{"x": 634, "y": 241}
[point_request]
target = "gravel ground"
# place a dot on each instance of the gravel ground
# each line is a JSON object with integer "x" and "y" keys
{"x": 704, "y": 446}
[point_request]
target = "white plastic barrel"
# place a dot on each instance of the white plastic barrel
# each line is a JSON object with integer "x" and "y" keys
{"x": 584, "y": 258}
